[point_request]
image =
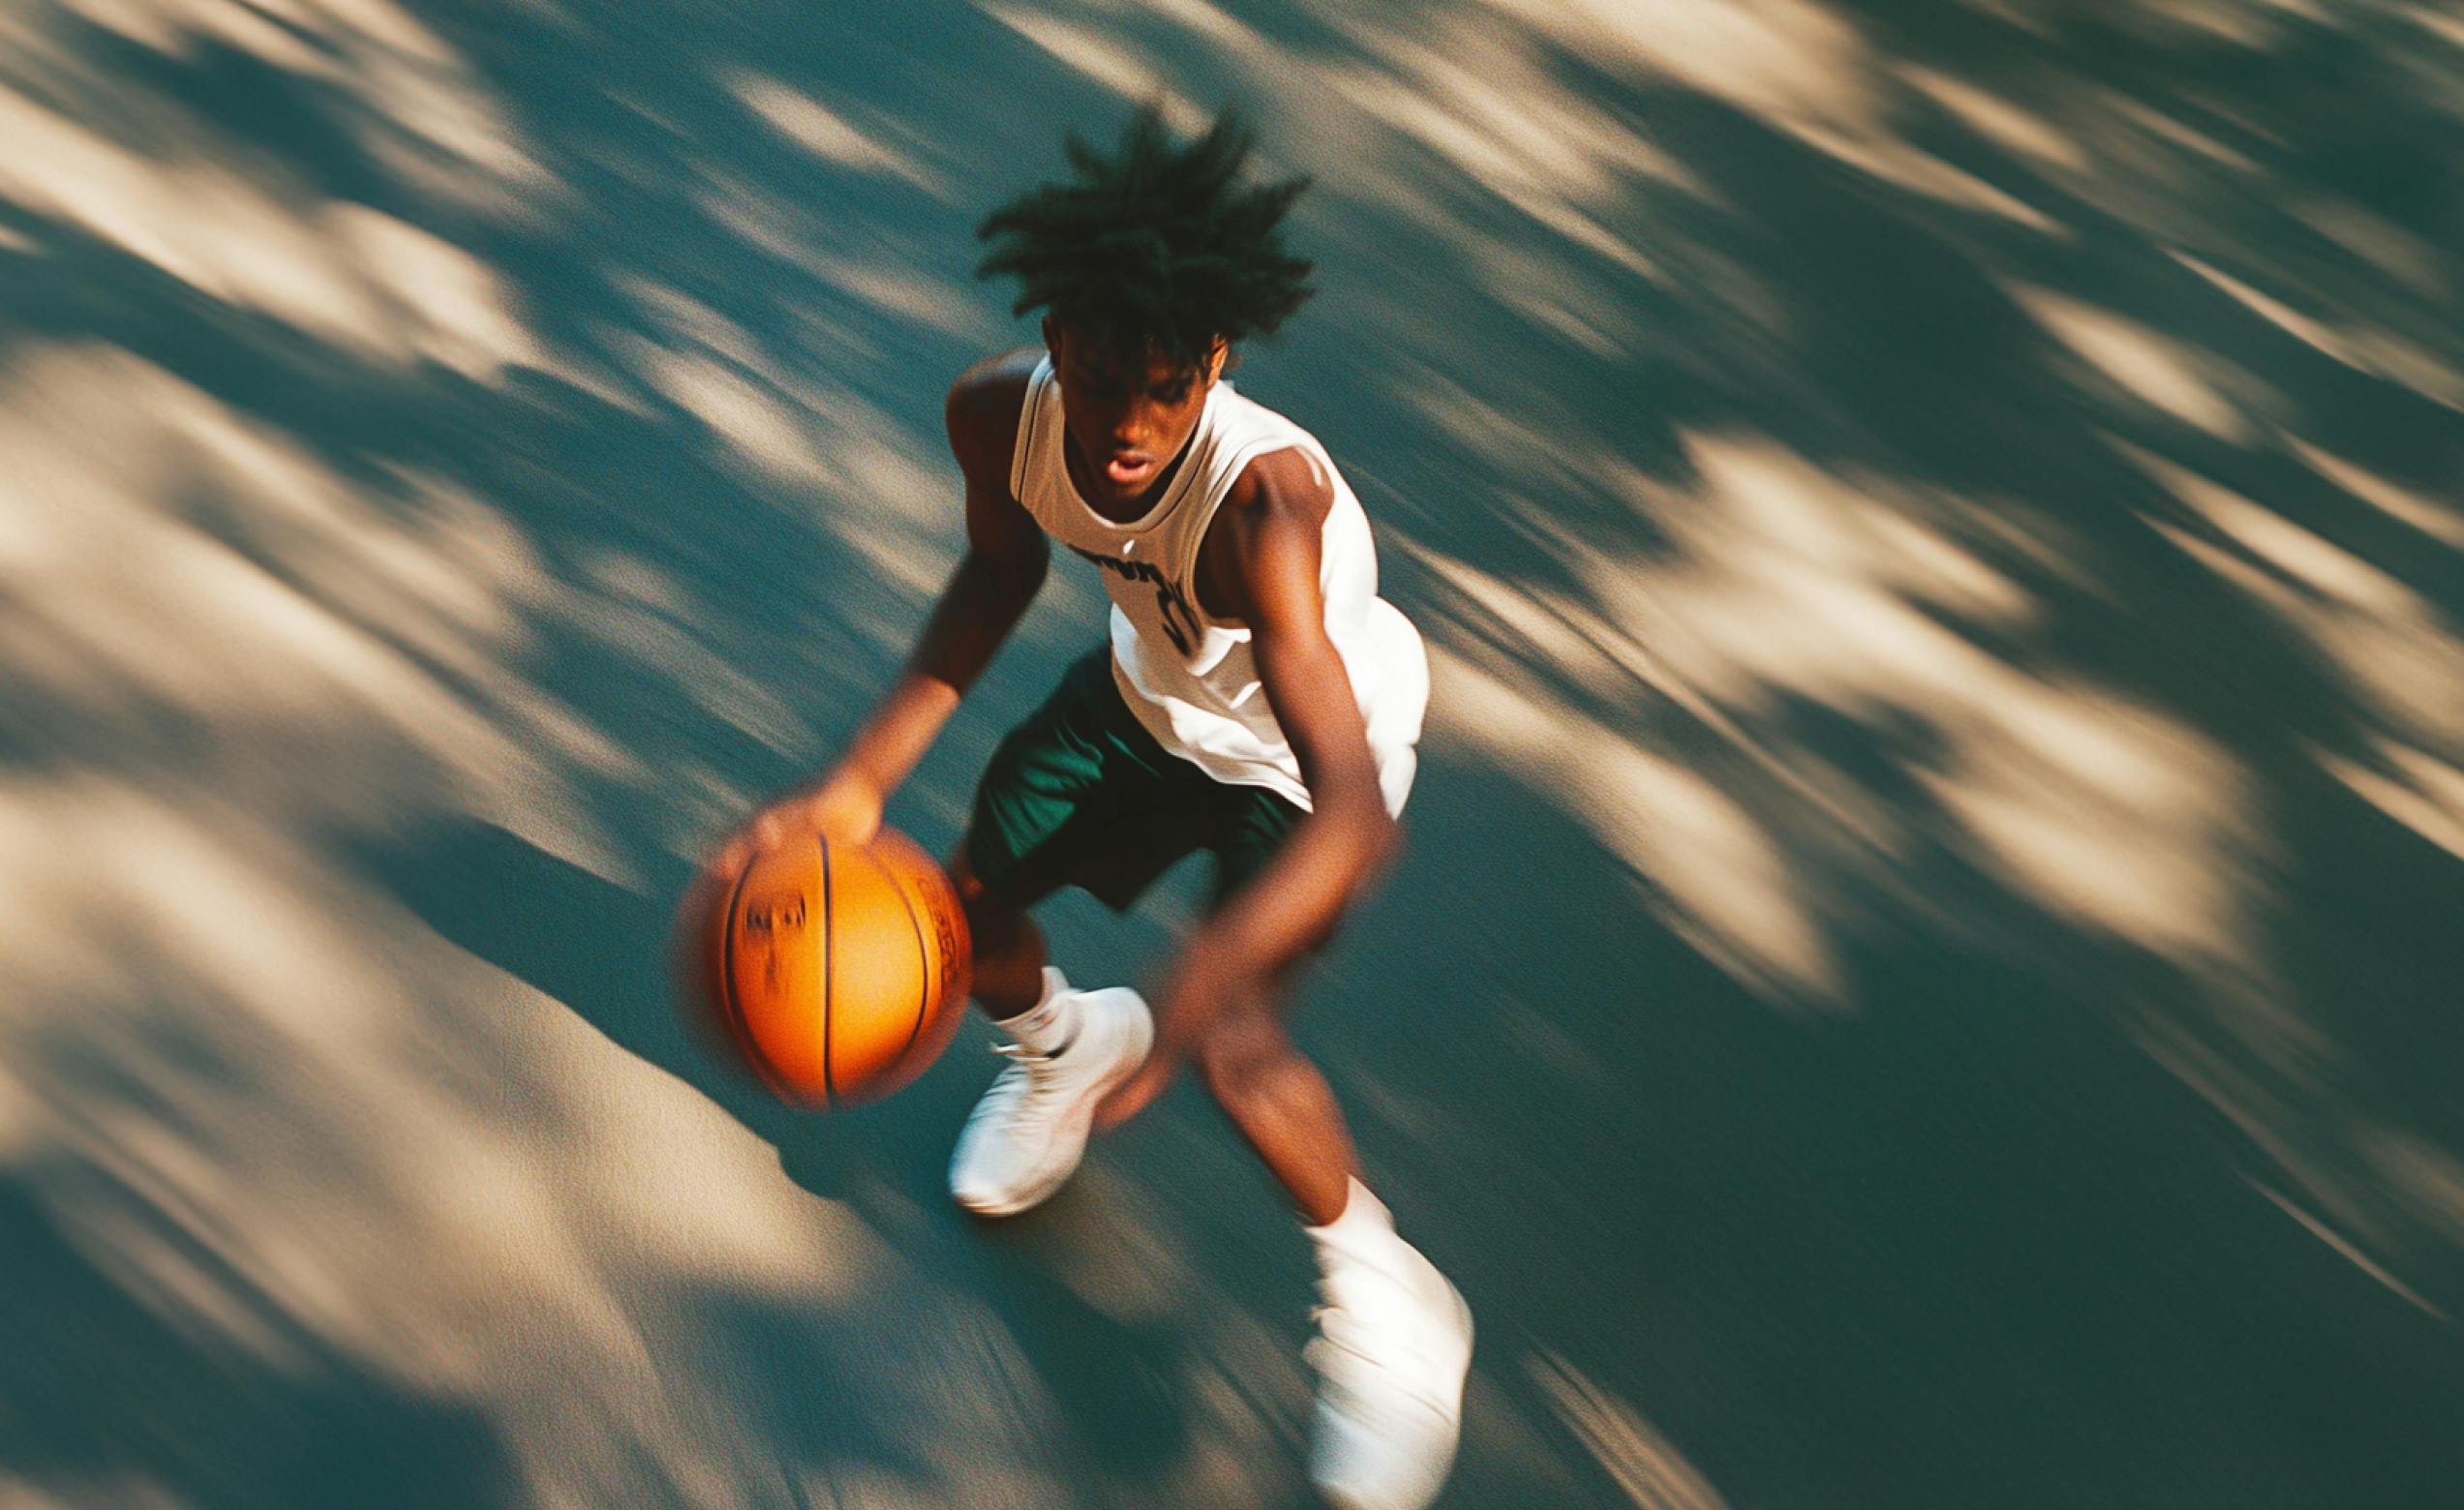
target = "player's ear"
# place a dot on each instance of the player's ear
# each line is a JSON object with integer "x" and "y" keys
{"x": 1215, "y": 355}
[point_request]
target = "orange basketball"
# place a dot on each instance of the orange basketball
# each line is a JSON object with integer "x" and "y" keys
{"x": 839, "y": 970}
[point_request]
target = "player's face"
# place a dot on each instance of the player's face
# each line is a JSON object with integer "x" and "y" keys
{"x": 1127, "y": 417}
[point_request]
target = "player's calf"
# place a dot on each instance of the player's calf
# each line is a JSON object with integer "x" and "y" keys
{"x": 1394, "y": 1339}
{"x": 1009, "y": 948}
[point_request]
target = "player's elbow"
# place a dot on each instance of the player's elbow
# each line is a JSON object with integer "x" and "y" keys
{"x": 1389, "y": 838}
{"x": 1370, "y": 832}
{"x": 1008, "y": 574}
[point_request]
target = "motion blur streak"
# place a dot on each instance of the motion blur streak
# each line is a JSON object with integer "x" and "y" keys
{"x": 1923, "y": 972}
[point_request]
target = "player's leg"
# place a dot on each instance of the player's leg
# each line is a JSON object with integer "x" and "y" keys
{"x": 1057, "y": 806}
{"x": 1281, "y": 1105}
{"x": 1394, "y": 1339}
{"x": 1009, "y": 949}
{"x": 1276, "y": 1099}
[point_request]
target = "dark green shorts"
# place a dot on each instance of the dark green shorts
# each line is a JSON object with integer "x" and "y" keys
{"x": 1081, "y": 795}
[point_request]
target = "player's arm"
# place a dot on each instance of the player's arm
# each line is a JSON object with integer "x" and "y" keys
{"x": 983, "y": 601}
{"x": 1260, "y": 565}
{"x": 1268, "y": 578}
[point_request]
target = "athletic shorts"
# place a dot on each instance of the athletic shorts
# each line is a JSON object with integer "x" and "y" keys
{"x": 1080, "y": 795}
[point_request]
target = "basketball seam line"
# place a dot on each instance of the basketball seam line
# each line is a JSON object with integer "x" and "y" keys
{"x": 925, "y": 992}
{"x": 829, "y": 1087}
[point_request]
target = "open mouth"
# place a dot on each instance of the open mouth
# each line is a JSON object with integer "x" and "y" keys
{"x": 1129, "y": 469}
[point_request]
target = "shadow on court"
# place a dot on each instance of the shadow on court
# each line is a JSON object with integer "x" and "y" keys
{"x": 1921, "y": 973}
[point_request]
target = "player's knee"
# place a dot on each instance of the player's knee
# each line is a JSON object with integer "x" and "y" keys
{"x": 1239, "y": 1060}
{"x": 984, "y": 917}
{"x": 996, "y": 929}
{"x": 987, "y": 918}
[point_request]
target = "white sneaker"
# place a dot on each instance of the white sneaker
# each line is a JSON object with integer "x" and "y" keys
{"x": 1393, "y": 1345}
{"x": 1025, "y": 1138}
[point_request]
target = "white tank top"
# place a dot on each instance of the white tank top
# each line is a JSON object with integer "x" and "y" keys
{"x": 1189, "y": 678}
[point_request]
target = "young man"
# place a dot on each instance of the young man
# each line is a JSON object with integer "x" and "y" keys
{"x": 1257, "y": 700}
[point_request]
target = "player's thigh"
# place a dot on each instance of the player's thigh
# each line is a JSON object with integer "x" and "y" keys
{"x": 1073, "y": 795}
{"x": 1249, "y": 829}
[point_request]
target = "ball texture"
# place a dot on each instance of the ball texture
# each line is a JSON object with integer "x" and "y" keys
{"x": 838, "y": 969}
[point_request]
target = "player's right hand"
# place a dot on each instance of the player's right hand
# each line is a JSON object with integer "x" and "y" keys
{"x": 845, "y": 808}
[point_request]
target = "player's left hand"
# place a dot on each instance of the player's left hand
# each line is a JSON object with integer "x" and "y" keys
{"x": 1188, "y": 1003}
{"x": 1133, "y": 1094}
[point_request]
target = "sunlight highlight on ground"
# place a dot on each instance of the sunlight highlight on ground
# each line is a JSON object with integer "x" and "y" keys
{"x": 423, "y": 112}
{"x": 1775, "y": 671}
{"x": 2143, "y": 362}
{"x": 263, "y": 1102}
{"x": 826, "y": 134}
{"x": 395, "y": 1146}
{"x": 808, "y": 439}
{"x": 1788, "y": 580}
{"x": 1642, "y": 1463}
{"x": 1734, "y": 894}
{"x": 1787, "y": 60}
{"x": 341, "y": 273}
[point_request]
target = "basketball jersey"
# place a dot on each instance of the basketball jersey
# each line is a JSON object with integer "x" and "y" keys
{"x": 1189, "y": 678}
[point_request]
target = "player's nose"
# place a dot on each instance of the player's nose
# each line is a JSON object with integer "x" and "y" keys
{"x": 1140, "y": 428}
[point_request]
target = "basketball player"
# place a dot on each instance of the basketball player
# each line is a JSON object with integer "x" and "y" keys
{"x": 1257, "y": 700}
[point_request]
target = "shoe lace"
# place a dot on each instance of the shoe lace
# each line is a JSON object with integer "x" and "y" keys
{"x": 1023, "y": 1083}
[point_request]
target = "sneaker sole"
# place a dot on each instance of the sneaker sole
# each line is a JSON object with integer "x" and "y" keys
{"x": 1080, "y": 1127}
{"x": 1338, "y": 1496}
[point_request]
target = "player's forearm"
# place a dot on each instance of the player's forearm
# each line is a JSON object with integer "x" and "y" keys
{"x": 983, "y": 602}
{"x": 1292, "y": 905}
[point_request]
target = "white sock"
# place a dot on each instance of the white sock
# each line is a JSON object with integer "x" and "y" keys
{"x": 1365, "y": 1232}
{"x": 1047, "y": 1026}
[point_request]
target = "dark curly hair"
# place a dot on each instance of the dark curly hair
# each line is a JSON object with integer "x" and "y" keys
{"x": 1158, "y": 247}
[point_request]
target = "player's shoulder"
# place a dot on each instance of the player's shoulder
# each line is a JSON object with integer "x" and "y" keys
{"x": 1288, "y": 479}
{"x": 983, "y": 407}
{"x": 999, "y": 378}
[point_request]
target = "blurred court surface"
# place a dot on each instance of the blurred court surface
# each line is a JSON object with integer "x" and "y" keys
{"x": 1925, "y": 970}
